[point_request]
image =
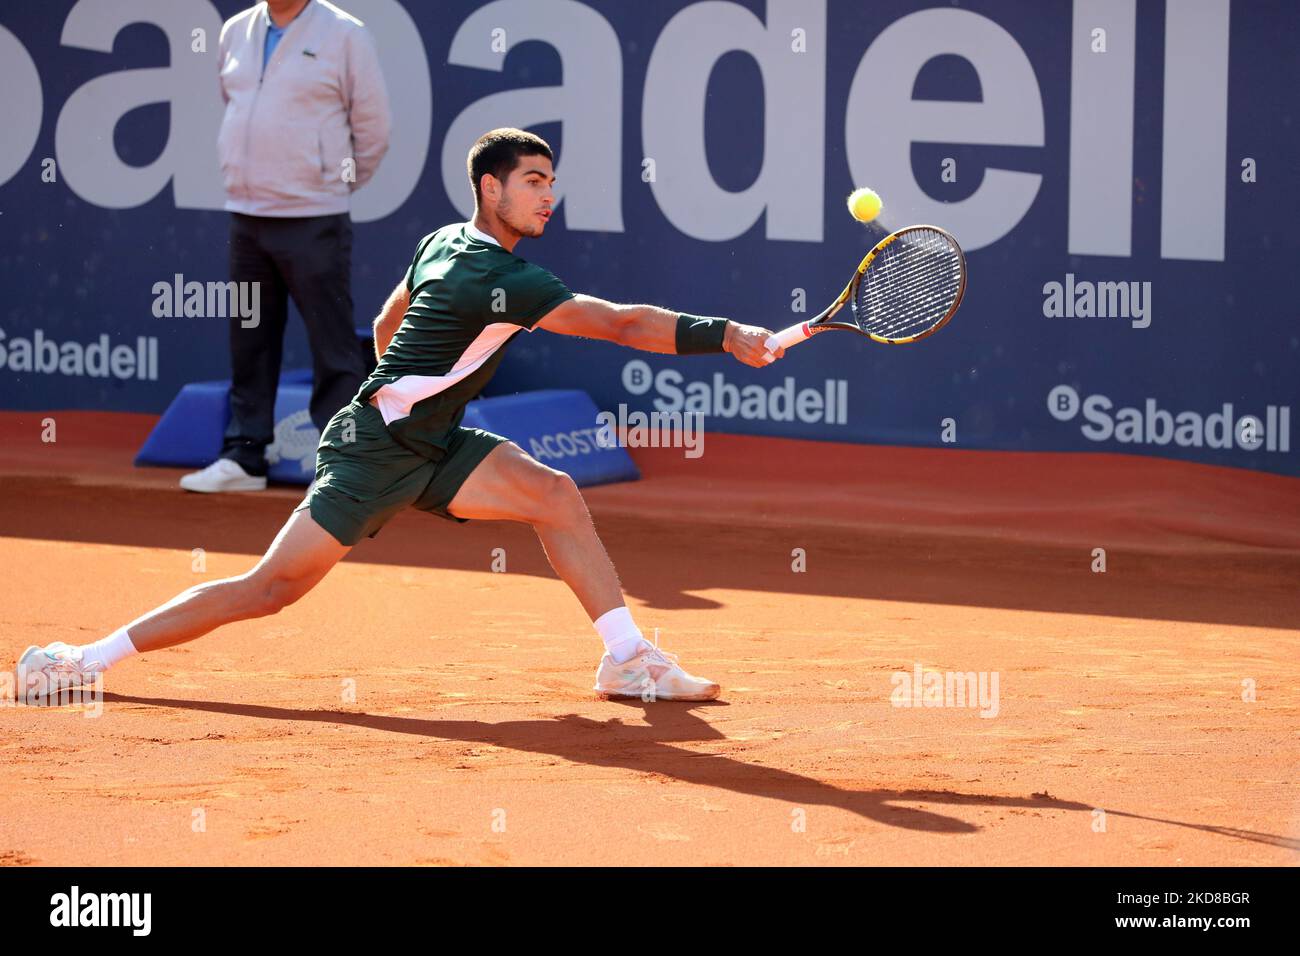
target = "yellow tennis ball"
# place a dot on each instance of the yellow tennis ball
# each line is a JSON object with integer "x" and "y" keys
{"x": 864, "y": 204}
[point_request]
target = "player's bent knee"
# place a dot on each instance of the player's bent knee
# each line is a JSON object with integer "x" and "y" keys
{"x": 558, "y": 500}
{"x": 272, "y": 594}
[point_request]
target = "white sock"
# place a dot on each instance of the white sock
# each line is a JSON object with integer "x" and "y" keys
{"x": 108, "y": 651}
{"x": 622, "y": 637}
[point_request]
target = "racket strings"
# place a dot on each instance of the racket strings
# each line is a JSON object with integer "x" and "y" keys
{"x": 911, "y": 287}
{"x": 914, "y": 289}
{"x": 918, "y": 284}
{"x": 912, "y": 294}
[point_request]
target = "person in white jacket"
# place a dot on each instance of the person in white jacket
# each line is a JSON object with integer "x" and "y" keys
{"x": 306, "y": 124}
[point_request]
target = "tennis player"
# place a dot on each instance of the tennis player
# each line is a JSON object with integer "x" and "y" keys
{"x": 399, "y": 443}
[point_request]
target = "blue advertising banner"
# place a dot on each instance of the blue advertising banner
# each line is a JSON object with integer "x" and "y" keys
{"x": 1120, "y": 173}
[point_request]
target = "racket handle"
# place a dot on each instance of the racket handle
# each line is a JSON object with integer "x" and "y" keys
{"x": 788, "y": 337}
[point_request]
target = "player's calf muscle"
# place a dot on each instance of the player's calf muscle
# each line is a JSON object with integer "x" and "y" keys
{"x": 205, "y": 607}
{"x": 297, "y": 560}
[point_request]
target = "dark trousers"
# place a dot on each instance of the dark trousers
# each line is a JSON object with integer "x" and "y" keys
{"x": 311, "y": 260}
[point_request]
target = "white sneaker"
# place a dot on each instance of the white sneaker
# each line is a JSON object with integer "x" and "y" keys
{"x": 223, "y": 475}
{"x": 651, "y": 675}
{"x": 46, "y": 671}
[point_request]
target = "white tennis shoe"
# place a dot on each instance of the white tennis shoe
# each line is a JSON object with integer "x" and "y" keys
{"x": 47, "y": 671}
{"x": 223, "y": 475}
{"x": 652, "y": 675}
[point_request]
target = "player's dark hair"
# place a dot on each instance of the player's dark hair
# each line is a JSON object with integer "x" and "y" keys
{"x": 498, "y": 151}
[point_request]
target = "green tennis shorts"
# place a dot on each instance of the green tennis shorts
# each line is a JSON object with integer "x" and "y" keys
{"x": 364, "y": 477}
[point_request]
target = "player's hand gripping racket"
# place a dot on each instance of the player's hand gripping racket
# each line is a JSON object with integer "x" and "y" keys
{"x": 908, "y": 287}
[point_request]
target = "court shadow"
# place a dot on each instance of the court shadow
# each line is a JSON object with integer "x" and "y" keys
{"x": 612, "y": 743}
{"x": 676, "y": 565}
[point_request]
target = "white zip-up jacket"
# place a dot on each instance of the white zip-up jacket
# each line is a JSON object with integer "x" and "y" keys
{"x": 287, "y": 133}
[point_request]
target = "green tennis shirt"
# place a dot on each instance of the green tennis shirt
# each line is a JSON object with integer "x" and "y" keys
{"x": 469, "y": 297}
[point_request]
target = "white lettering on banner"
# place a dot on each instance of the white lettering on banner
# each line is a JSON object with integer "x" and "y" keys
{"x": 100, "y": 359}
{"x": 723, "y": 399}
{"x": 589, "y": 104}
{"x": 83, "y": 138}
{"x": 84, "y": 135}
{"x": 1153, "y": 425}
{"x": 1194, "y": 173}
{"x": 1195, "y": 144}
{"x": 405, "y": 66}
{"x": 580, "y": 441}
{"x": 21, "y": 106}
{"x": 790, "y": 185}
{"x": 881, "y": 120}
{"x": 1101, "y": 128}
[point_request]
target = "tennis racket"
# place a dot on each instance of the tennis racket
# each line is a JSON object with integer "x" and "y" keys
{"x": 909, "y": 286}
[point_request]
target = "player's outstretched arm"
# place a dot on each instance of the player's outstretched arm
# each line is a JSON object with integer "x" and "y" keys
{"x": 652, "y": 329}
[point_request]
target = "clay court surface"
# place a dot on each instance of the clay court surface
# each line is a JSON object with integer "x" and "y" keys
{"x": 474, "y": 737}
